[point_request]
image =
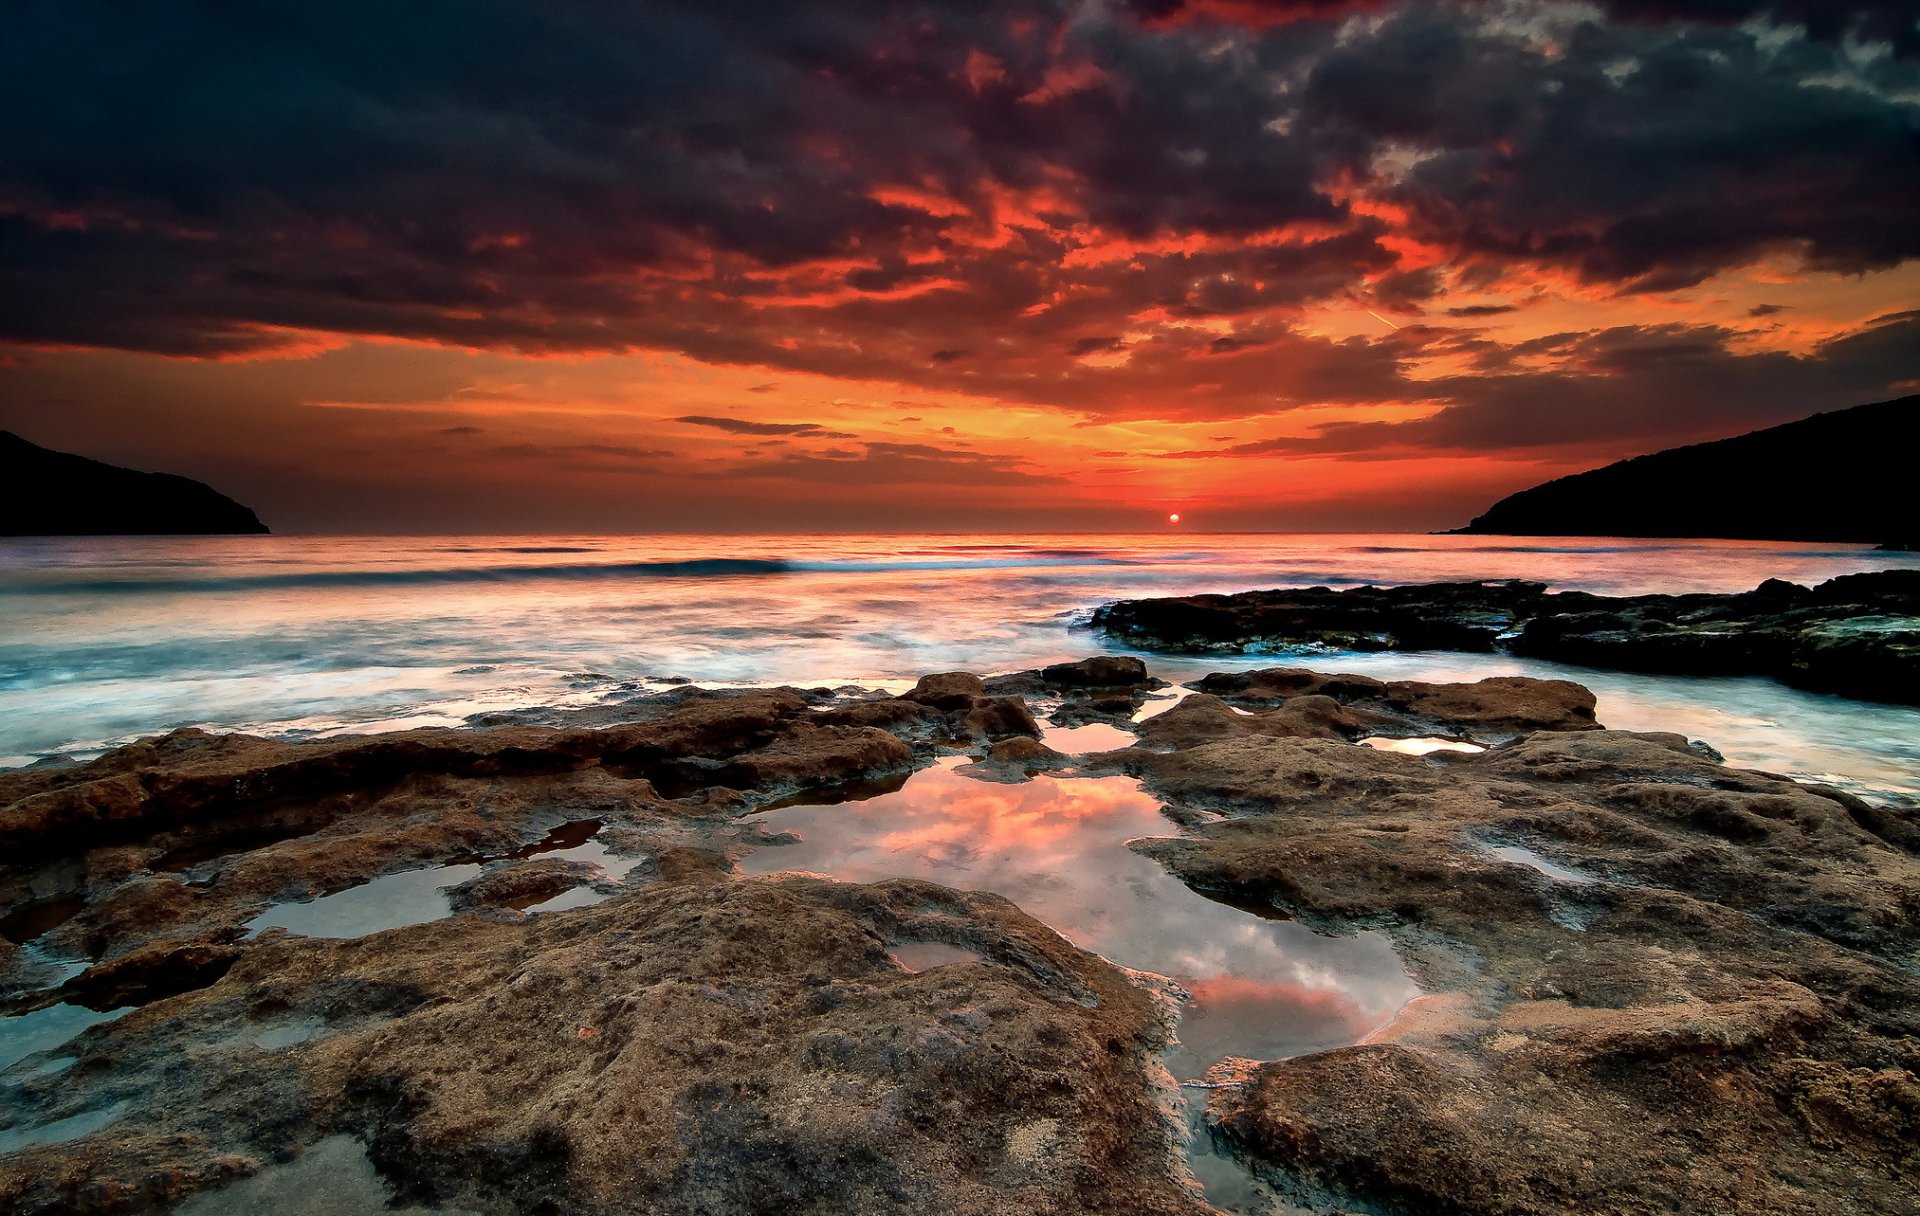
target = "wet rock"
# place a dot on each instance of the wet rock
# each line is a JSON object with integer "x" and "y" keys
{"x": 150, "y": 972}
{"x": 993, "y": 718}
{"x": 190, "y": 777}
{"x": 806, "y": 755}
{"x": 1015, "y": 759}
{"x": 1495, "y": 709}
{"x": 1716, "y": 1013}
{"x": 710, "y": 1044}
{"x": 1113, "y": 710}
{"x": 948, "y": 690}
{"x": 1201, "y": 719}
{"x": 894, "y": 715}
{"x": 1858, "y": 635}
{"x": 1100, "y": 671}
{"x": 1436, "y": 616}
{"x": 1348, "y": 706}
{"x": 520, "y": 885}
{"x": 1690, "y": 1032}
{"x": 1274, "y": 685}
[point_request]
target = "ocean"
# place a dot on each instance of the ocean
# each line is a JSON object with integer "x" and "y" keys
{"x": 106, "y": 640}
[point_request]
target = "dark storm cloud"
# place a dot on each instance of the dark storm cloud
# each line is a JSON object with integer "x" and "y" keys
{"x": 1656, "y": 384}
{"x": 947, "y": 195}
{"x": 742, "y": 426}
{"x": 1631, "y": 155}
{"x": 550, "y": 451}
{"x": 1891, "y": 21}
{"x": 894, "y": 464}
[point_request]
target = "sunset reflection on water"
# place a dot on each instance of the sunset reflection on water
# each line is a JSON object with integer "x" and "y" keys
{"x": 1056, "y": 846}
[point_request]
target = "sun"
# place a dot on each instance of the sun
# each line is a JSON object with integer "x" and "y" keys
{"x": 1174, "y": 518}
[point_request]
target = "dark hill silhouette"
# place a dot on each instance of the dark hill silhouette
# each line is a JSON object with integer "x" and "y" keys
{"x": 48, "y": 493}
{"x": 1847, "y": 475}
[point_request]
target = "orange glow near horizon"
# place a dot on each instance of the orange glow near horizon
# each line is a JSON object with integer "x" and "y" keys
{"x": 1039, "y": 287}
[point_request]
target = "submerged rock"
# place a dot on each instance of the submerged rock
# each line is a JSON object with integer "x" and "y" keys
{"x": 1858, "y": 635}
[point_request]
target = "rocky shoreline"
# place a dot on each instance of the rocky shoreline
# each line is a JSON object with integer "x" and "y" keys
{"x": 1652, "y": 982}
{"x": 1858, "y": 635}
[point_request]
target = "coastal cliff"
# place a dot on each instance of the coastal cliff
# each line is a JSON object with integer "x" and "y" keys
{"x": 1838, "y": 476}
{"x": 48, "y": 493}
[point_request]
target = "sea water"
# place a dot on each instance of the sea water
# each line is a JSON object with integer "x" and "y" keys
{"x": 105, "y": 640}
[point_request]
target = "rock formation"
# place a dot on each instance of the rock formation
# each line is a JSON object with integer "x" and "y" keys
{"x": 1858, "y": 635}
{"x": 1654, "y": 983}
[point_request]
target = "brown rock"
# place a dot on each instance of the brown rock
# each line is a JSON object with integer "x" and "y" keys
{"x": 150, "y": 972}
{"x": 946, "y": 691}
{"x": 1100, "y": 671}
{"x": 1202, "y": 719}
{"x": 1719, "y": 1016}
{"x": 520, "y": 885}
{"x": 710, "y": 1045}
{"x": 1490, "y": 711}
{"x": 998, "y": 718}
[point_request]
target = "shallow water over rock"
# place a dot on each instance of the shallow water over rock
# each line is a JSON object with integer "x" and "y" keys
{"x": 1517, "y": 855}
{"x": 1261, "y": 987}
{"x": 44, "y": 1029}
{"x": 332, "y": 1178}
{"x": 925, "y": 956}
{"x": 1421, "y": 747}
{"x": 408, "y": 898}
{"x": 1079, "y": 740}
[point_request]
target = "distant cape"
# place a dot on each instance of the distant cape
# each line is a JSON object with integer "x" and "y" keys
{"x": 1847, "y": 475}
{"x": 48, "y": 493}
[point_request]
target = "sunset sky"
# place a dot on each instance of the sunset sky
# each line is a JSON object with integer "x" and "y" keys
{"x": 527, "y": 265}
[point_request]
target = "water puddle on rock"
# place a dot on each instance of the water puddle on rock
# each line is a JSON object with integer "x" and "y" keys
{"x": 1513, "y": 854}
{"x": 59, "y": 1131}
{"x": 31, "y": 921}
{"x": 925, "y": 956}
{"x": 334, "y": 1177}
{"x": 290, "y": 1033}
{"x": 1263, "y": 988}
{"x": 608, "y": 868}
{"x": 415, "y": 897}
{"x": 1160, "y": 702}
{"x": 409, "y": 898}
{"x": 1081, "y": 740}
{"x": 1420, "y": 747}
{"x": 44, "y": 1029}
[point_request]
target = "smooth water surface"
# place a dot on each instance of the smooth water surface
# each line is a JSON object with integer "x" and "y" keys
{"x": 411, "y": 897}
{"x": 106, "y": 639}
{"x": 1056, "y": 846}
{"x": 1262, "y": 987}
{"x": 334, "y": 1177}
{"x": 44, "y": 1029}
